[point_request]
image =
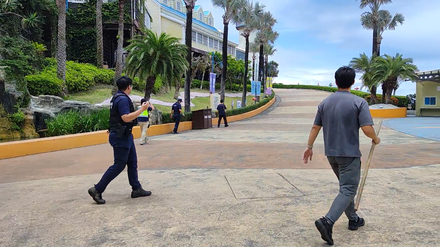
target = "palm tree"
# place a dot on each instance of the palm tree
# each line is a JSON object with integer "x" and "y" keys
{"x": 62, "y": 45}
{"x": 99, "y": 38}
{"x": 254, "y": 48}
{"x": 188, "y": 40}
{"x": 390, "y": 70}
{"x": 231, "y": 8}
{"x": 378, "y": 21}
{"x": 365, "y": 64}
{"x": 249, "y": 16}
{"x": 119, "y": 49}
{"x": 264, "y": 36}
{"x": 151, "y": 55}
{"x": 268, "y": 51}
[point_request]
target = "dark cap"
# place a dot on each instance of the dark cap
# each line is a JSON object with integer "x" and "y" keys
{"x": 180, "y": 100}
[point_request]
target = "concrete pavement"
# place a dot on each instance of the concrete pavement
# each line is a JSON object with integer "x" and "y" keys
{"x": 239, "y": 186}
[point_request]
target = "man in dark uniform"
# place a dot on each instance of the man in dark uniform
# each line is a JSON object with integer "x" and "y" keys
{"x": 176, "y": 110}
{"x": 122, "y": 119}
{"x": 221, "y": 108}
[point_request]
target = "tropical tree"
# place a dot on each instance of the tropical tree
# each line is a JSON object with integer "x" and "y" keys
{"x": 188, "y": 40}
{"x": 151, "y": 55}
{"x": 99, "y": 38}
{"x": 62, "y": 45}
{"x": 379, "y": 21}
{"x": 120, "y": 45}
{"x": 391, "y": 70}
{"x": 264, "y": 36}
{"x": 254, "y": 49}
{"x": 249, "y": 15}
{"x": 268, "y": 51}
{"x": 365, "y": 64}
{"x": 231, "y": 8}
{"x": 272, "y": 69}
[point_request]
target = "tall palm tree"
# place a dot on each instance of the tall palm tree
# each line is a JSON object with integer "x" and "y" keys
{"x": 390, "y": 70}
{"x": 364, "y": 64}
{"x": 231, "y": 8}
{"x": 120, "y": 46}
{"x": 265, "y": 35}
{"x": 99, "y": 38}
{"x": 379, "y": 21}
{"x": 249, "y": 15}
{"x": 254, "y": 49}
{"x": 151, "y": 55}
{"x": 62, "y": 45}
{"x": 268, "y": 51}
{"x": 190, "y": 4}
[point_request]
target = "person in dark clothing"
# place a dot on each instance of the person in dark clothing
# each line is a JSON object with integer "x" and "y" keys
{"x": 176, "y": 110}
{"x": 221, "y": 108}
{"x": 341, "y": 115}
{"x": 122, "y": 119}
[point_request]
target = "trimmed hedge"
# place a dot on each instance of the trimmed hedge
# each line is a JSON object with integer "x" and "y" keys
{"x": 79, "y": 77}
{"x": 401, "y": 101}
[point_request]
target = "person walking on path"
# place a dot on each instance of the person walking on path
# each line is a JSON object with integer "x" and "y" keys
{"x": 176, "y": 110}
{"x": 122, "y": 119}
{"x": 341, "y": 115}
{"x": 221, "y": 108}
{"x": 144, "y": 121}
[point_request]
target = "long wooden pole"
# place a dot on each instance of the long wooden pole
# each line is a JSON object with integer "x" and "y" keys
{"x": 364, "y": 178}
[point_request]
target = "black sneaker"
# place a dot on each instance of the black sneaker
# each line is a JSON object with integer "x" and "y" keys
{"x": 354, "y": 225}
{"x": 325, "y": 229}
{"x": 226, "y": 125}
{"x": 139, "y": 193}
{"x": 97, "y": 197}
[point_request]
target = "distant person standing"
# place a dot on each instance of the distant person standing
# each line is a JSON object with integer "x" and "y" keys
{"x": 122, "y": 119}
{"x": 144, "y": 121}
{"x": 176, "y": 110}
{"x": 221, "y": 108}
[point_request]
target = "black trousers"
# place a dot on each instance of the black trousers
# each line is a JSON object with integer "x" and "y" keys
{"x": 220, "y": 120}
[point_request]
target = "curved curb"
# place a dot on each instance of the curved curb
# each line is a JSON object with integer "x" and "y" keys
{"x": 57, "y": 143}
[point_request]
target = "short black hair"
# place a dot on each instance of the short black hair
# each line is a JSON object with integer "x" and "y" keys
{"x": 143, "y": 100}
{"x": 179, "y": 100}
{"x": 123, "y": 83}
{"x": 344, "y": 77}
{"x": 221, "y": 101}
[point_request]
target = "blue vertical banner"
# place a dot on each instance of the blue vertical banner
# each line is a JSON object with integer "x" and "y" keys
{"x": 253, "y": 88}
{"x": 257, "y": 88}
{"x": 212, "y": 77}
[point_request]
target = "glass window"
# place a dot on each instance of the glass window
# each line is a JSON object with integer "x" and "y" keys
{"x": 178, "y": 5}
{"x": 194, "y": 36}
{"x": 165, "y": 1}
{"x": 201, "y": 16}
{"x": 211, "y": 42}
{"x": 199, "y": 38}
{"x": 205, "y": 40}
{"x": 430, "y": 101}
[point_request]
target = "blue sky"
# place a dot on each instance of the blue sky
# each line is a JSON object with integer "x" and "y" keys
{"x": 319, "y": 36}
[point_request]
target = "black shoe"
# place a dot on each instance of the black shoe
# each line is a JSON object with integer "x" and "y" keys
{"x": 139, "y": 193}
{"x": 354, "y": 225}
{"x": 226, "y": 125}
{"x": 97, "y": 197}
{"x": 176, "y": 133}
{"x": 325, "y": 229}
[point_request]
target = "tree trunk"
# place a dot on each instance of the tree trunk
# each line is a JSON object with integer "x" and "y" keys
{"x": 188, "y": 41}
{"x": 375, "y": 54}
{"x": 203, "y": 77}
{"x": 61, "y": 49}
{"x": 261, "y": 67}
{"x": 177, "y": 91}
{"x": 99, "y": 39}
{"x": 265, "y": 72}
{"x": 149, "y": 87}
{"x": 373, "y": 91}
{"x": 384, "y": 92}
{"x": 253, "y": 67}
{"x": 224, "y": 58}
{"x": 246, "y": 71}
{"x": 389, "y": 90}
{"x": 119, "y": 51}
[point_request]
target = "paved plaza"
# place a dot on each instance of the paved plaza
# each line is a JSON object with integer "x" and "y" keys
{"x": 244, "y": 185}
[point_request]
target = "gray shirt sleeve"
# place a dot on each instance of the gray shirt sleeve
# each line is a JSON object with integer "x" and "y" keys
{"x": 318, "y": 117}
{"x": 365, "y": 115}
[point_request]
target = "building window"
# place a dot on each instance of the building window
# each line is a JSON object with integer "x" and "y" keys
{"x": 165, "y": 2}
{"x": 201, "y": 16}
{"x": 210, "y": 21}
{"x": 178, "y": 5}
{"x": 216, "y": 45}
{"x": 211, "y": 42}
{"x": 199, "y": 38}
{"x": 194, "y": 36}
{"x": 430, "y": 101}
{"x": 205, "y": 40}
{"x": 220, "y": 46}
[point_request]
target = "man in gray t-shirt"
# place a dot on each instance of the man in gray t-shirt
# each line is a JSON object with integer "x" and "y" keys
{"x": 341, "y": 115}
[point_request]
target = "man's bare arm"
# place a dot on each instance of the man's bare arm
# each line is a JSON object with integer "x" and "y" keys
{"x": 313, "y": 134}
{"x": 371, "y": 133}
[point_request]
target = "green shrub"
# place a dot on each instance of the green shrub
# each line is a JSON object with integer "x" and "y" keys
{"x": 73, "y": 122}
{"x": 166, "y": 118}
{"x": 17, "y": 119}
{"x": 44, "y": 84}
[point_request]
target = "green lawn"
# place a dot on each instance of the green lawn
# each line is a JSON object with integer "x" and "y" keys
{"x": 102, "y": 92}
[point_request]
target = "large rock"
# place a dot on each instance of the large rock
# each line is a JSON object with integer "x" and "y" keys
{"x": 155, "y": 117}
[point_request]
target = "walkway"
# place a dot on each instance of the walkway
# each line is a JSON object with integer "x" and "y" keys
{"x": 239, "y": 186}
